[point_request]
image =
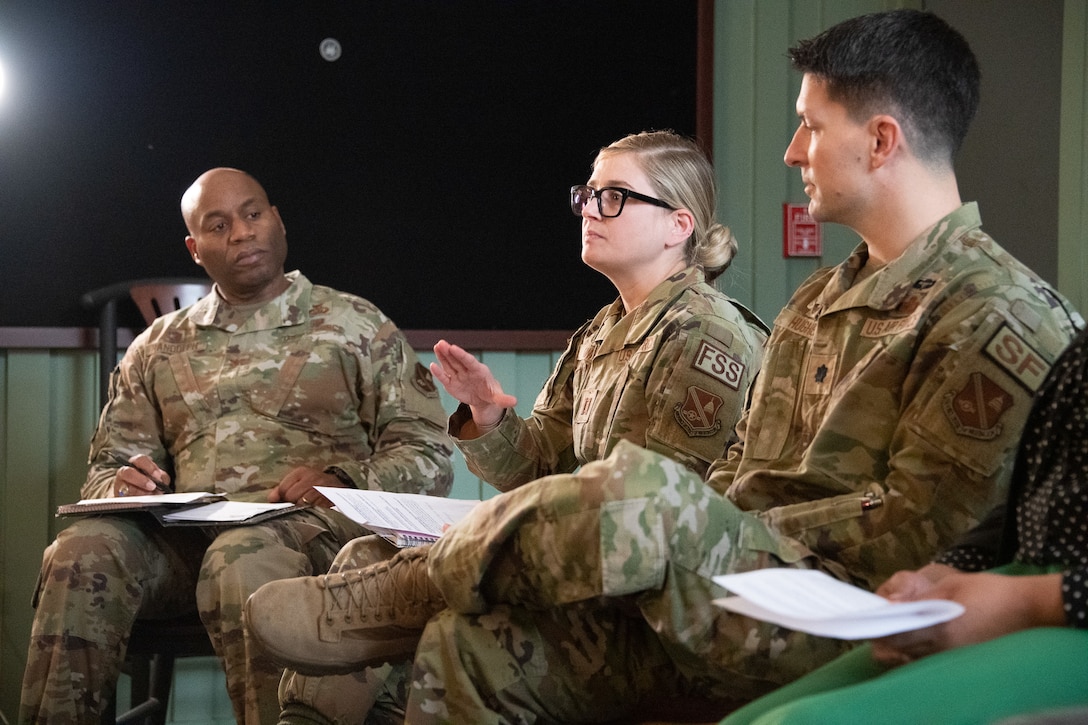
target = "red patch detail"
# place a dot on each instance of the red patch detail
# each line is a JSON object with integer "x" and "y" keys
{"x": 698, "y": 414}
{"x": 976, "y": 410}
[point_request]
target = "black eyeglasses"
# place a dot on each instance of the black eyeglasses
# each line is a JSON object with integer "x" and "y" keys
{"x": 610, "y": 199}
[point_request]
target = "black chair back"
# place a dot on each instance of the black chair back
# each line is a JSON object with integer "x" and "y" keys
{"x": 154, "y": 296}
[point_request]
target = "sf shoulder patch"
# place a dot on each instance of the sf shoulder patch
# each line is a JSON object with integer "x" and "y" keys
{"x": 423, "y": 382}
{"x": 718, "y": 364}
{"x": 976, "y": 410}
{"x": 1017, "y": 358}
{"x": 698, "y": 414}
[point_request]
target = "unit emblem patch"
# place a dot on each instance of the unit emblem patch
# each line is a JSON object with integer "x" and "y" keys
{"x": 423, "y": 382}
{"x": 698, "y": 414}
{"x": 976, "y": 410}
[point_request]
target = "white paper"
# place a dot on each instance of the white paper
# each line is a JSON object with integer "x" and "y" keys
{"x": 159, "y": 498}
{"x": 814, "y": 602}
{"x": 406, "y": 513}
{"x": 225, "y": 511}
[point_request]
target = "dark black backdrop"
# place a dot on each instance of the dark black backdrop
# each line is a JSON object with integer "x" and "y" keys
{"x": 427, "y": 169}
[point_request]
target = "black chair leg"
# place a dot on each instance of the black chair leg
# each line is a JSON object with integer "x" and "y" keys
{"x": 151, "y": 679}
{"x": 153, "y": 648}
{"x": 142, "y": 667}
{"x": 162, "y": 678}
{"x": 109, "y": 715}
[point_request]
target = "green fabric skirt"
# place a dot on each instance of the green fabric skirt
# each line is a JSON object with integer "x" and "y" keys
{"x": 1031, "y": 671}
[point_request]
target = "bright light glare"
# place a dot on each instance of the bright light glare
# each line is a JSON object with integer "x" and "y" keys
{"x": 1, "y": 80}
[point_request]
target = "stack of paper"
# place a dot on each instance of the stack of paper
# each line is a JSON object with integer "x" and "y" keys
{"x": 199, "y": 508}
{"x": 125, "y": 503}
{"x": 816, "y": 603}
{"x": 222, "y": 512}
{"x": 406, "y": 519}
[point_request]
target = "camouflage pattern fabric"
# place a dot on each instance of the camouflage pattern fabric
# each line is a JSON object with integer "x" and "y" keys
{"x": 234, "y": 398}
{"x": 606, "y": 601}
{"x": 885, "y": 421}
{"x": 228, "y": 400}
{"x": 883, "y": 424}
{"x": 671, "y": 376}
{"x": 1041, "y": 530}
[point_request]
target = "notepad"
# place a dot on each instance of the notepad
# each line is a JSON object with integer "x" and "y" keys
{"x": 817, "y": 603}
{"x": 129, "y": 503}
{"x": 226, "y": 512}
{"x": 181, "y": 509}
{"x": 405, "y": 519}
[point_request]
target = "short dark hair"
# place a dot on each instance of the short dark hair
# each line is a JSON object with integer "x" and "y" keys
{"x": 908, "y": 63}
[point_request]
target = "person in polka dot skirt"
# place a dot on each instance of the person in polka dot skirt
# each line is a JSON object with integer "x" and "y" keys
{"x": 1021, "y": 647}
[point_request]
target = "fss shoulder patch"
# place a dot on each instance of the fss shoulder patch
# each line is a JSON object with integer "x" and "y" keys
{"x": 975, "y": 411}
{"x": 719, "y": 364}
{"x": 698, "y": 414}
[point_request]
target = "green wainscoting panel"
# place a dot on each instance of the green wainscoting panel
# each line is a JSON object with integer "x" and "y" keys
{"x": 27, "y": 508}
{"x": 1073, "y": 166}
{"x": 48, "y": 410}
{"x": 521, "y": 374}
{"x": 755, "y": 91}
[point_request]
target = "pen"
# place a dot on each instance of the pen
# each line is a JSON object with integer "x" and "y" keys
{"x": 163, "y": 488}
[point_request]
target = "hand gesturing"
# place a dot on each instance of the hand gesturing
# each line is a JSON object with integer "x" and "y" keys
{"x": 470, "y": 381}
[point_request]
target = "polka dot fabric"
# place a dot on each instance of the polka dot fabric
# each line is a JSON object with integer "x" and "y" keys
{"x": 1051, "y": 476}
{"x": 1050, "y": 485}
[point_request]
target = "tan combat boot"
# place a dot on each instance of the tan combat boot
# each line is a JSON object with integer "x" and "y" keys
{"x": 343, "y": 622}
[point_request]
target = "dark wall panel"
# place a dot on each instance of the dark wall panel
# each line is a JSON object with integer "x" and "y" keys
{"x": 426, "y": 169}
{"x": 1009, "y": 162}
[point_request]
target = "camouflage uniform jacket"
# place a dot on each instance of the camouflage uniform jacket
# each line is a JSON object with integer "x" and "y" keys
{"x": 887, "y": 413}
{"x": 672, "y": 376}
{"x": 230, "y": 399}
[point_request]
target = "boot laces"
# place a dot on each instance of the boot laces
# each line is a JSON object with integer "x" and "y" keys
{"x": 397, "y": 589}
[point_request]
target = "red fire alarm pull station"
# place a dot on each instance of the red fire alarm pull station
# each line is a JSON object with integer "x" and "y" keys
{"x": 800, "y": 232}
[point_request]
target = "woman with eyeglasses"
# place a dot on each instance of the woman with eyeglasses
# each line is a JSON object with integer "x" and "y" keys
{"x": 666, "y": 366}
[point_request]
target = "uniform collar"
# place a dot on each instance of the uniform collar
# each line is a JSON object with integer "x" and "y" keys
{"x": 887, "y": 289}
{"x": 290, "y": 307}
{"x": 620, "y": 330}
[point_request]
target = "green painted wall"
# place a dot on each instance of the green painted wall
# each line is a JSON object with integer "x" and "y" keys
{"x": 47, "y": 397}
{"x": 48, "y": 409}
{"x": 1073, "y": 166}
{"x": 754, "y": 119}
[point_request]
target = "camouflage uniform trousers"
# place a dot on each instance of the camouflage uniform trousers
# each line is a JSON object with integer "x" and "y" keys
{"x": 576, "y": 597}
{"x": 102, "y": 573}
{"x": 375, "y": 696}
